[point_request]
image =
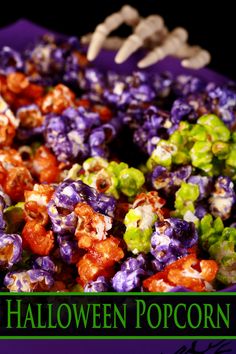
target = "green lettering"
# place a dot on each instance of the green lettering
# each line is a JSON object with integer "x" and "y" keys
{"x": 208, "y": 311}
{"x": 50, "y": 315}
{"x": 118, "y": 314}
{"x": 194, "y": 316}
{"x": 64, "y": 311}
{"x": 29, "y": 318}
{"x": 176, "y": 317}
{"x": 140, "y": 310}
{"x": 224, "y": 317}
{"x": 40, "y": 325}
{"x": 151, "y": 316}
{"x": 168, "y": 310}
{"x": 96, "y": 316}
{"x": 81, "y": 314}
{"x": 11, "y": 313}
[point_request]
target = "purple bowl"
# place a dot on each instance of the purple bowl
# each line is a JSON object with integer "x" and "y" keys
{"x": 23, "y": 32}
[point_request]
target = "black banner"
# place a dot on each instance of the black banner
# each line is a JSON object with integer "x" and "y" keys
{"x": 122, "y": 316}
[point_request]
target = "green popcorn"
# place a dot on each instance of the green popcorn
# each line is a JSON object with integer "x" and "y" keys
{"x": 116, "y": 168}
{"x": 224, "y": 253}
{"x": 178, "y": 139}
{"x": 185, "y": 197}
{"x": 182, "y": 157}
{"x": 162, "y": 155}
{"x": 73, "y": 173}
{"x": 221, "y": 149}
{"x": 231, "y": 159}
{"x": 139, "y": 223}
{"x": 112, "y": 177}
{"x": 201, "y": 156}
{"x": 233, "y": 137}
{"x": 138, "y": 240}
{"x": 94, "y": 164}
{"x": 229, "y": 234}
{"x": 198, "y": 133}
{"x": 103, "y": 181}
{"x": 210, "y": 231}
{"x": 14, "y": 217}
{"x": 130, "y": 181}
{"x": 215, "y": 128}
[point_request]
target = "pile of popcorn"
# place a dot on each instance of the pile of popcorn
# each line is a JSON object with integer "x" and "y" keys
{"x": 110, "y": 182}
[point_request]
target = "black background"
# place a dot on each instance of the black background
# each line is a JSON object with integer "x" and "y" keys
{"x": 130, "y": 301}
{"x": 211, "y": 24}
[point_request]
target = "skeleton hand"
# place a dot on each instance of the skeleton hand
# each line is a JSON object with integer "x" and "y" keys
{"x": 148, "y": 32}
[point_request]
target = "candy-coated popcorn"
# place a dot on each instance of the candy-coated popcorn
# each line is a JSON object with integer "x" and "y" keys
{"x": 30, "y": 116}
{"x": 36, "y": 238}
{"x": 45, "y": 263}
{"x": 91, "y": 226}
{"x": 14, "y": 217}
{"x": 8, "y": 124}
{"x": 57, "y": 100}
{"x": 28, "y": 281}
{"x": 86, "y": 154}
{"x": 97, "y": 286}
{"x": 10, "y": 249}
{"x": 224, "y": 254}
{"x": 100, "y": 260}
{"x": 130, "y": 276}
{"x": 222, "y": 198}
{"x": 139, "y": 221}
{"x": 112, "y": 178}
{"x": 185, "y": 197}
{"x": 45, "y": 165}
{"x": 69, "y": 250}
{"x": 193, "y": 274}
{"x": 171, "y": 240}
{"x": 10, "y": 60}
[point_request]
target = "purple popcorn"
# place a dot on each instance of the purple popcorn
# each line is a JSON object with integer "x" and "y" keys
{"x": 201, "y": 209}
{"x": 171, "y": 239}
{"x": 69, "y": 250}
{"x": 185, "y": 85}
{"x": 67, "y": 195}
{"x": 222, "y": 101}
{"x": 93, "y": 80}
{"x": 52, "y": 60}
{"x": 10, "y": 61}
{"x": 222, "y": 198}
{"x": 152, "y": 130}
{"x": 28, "y": 281}
{"x": 65, "y": 140}
{"x": 78, "y": 133}
{"x": 4, "y": 203}
{"x": 130, "y": 90}
{"x": 131, "y": 273}
{"x": 162, "y": 84}
{"x": 45, "y": 263}
{"x": 183, "y": 110}
{"x": 169, "y": 182}
{"x": 71, "y": 70}
{"x": 10, "y": 249}
{"x": 204, "y": 184}
{"x": 97, "y": 286}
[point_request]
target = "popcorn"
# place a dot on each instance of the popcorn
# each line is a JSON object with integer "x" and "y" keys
{"x": 111, "y": 182}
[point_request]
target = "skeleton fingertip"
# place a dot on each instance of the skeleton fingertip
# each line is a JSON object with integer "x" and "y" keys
{"x": 119, "y": 59}
{"x": 142, "y": 64}
{"x": 91, "y": 55}
{"x": 185, "y": 63}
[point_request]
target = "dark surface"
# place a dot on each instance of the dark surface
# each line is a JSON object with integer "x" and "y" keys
{"x": 210, "y": 25}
